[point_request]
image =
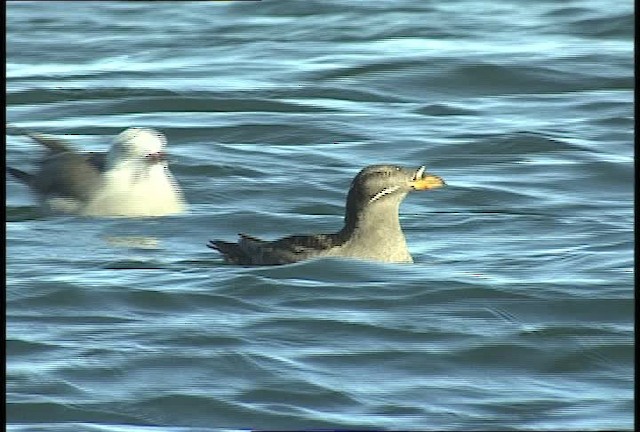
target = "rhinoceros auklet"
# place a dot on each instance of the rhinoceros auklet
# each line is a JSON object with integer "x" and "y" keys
{"x": 371, "y": 228}
{"x": 132, "y": 179}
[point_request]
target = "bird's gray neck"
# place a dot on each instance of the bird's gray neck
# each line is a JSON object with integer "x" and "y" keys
{"x": 377, "y": 223}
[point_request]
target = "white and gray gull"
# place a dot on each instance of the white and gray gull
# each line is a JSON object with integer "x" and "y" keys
{"x": 371, "y": 229}
{"x": 132, "y": 179}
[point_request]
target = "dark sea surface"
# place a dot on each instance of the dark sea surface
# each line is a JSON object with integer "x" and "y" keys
{"x": 518, "y": 311}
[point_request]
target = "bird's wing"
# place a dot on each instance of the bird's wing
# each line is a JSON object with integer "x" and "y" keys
{"x": 63, "y": 171}
{"x": 67, "y": 174}
{"x": 307, "y": 243}
{"x": 288, "y": 249}
{"x": 98, "y": 160}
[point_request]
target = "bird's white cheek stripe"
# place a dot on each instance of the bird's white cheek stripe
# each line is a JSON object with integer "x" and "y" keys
{"x": 383, "y": 192}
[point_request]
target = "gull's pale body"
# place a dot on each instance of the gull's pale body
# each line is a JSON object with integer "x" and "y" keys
{"x": 131, "y": 180}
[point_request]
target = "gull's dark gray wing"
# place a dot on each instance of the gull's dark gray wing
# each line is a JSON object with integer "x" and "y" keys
{"x": 63, "y": 171}
{"x": 67, "y": 175}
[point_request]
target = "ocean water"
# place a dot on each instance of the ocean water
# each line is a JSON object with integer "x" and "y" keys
{"x": 518, "y": 312}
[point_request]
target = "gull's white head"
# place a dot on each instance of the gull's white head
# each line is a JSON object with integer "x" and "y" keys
{"x": 137, "y": 180}
{"x": 138, "y": 144}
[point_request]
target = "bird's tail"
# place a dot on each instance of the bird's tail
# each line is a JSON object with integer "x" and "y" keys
{"x": 24, "y": 177}
{"x": 55, "y": 145}
{"x": 231, "y": 252}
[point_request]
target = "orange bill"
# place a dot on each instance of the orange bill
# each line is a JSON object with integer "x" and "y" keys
{"x": 427, "y": 182}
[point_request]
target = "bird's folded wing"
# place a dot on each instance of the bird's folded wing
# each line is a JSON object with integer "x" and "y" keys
{"x": 69, "y": 175}
{"x": 307, "y": 243}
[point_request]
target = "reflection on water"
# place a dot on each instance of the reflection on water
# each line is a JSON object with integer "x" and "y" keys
{"x": 133, "y": 242}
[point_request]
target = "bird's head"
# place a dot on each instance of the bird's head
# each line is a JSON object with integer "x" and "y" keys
{"x": 138, "y": 145}
{"x": 378, "y": 185}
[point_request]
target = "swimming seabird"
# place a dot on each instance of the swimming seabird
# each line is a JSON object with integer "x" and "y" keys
{"x": 131, "y": 179}
{"x": 371, "y": 229}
